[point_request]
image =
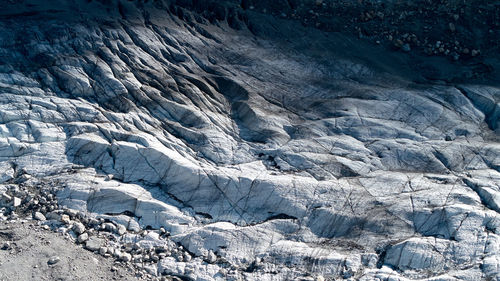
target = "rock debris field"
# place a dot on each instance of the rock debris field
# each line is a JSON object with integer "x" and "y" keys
{"x": 219, "y": 140}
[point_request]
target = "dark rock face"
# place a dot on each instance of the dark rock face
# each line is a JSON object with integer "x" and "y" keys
{"x": 268, "y": 148}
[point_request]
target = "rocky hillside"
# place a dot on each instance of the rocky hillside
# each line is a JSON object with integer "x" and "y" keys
{"x": 465, "y": 31}
{"x": 228, "y": 142}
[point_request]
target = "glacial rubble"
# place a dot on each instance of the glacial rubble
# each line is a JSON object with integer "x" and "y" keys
{"x": 133, "y": 248}
{"x": 186, "y": 148}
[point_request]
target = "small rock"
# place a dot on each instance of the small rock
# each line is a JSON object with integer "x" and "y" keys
{"x": 108, "y": 177}
{"x": 475, "y": 52}
{"x": 93, "y": 244}
{"x": 94, "y": 222}
{"x": 53, "y": 216}
{"x": 39, "y": 216}
{"x": 84, "y": 220}
{"x": 53, "y": 260}
{"x": 406, "y": 47}
{"x": 369, "y": 259}
{"x": 72, "y": 213}
{"x": 121, "y": 229}
{"x": 5, "y": 246}
{"x": 13, "y": 216}
{"x": 452, "y": 27}
{"x": 211, "y": 257}
{"x": 117, "y": 253}
{"x": 161, "y": 249}
{"x": 78, "y": 228}
{"x": 16, "y": 202}
{"x": 109, "y": 227}
{"x": 398, "y": 43}
{"x": 223, "y": 271}
{"x": 24, "y": 178}
{"x": 103, "y": 251}
{"x": 65, "y": 219}
{"x": 162, "y": 231}
{"x": 6, "y": 197}
{"x": 63, "y": 230}
{"x": 153, "y": 271}
{"x": 138, "y": 258}
{"x": 126, "y": 257}
{"x": 133, "y": 226}
{"x": 154, "y": 258}
{"x": 83, "y": 237}
{"x": 127, "y": 248}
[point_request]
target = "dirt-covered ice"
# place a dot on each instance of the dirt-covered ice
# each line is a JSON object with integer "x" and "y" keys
{"x": 245, "y": 146}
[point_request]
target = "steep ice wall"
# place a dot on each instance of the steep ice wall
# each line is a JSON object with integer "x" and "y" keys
{"x": 288, "y": 153}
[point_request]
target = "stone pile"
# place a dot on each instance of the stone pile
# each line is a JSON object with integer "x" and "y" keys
{"x": 16, "y": 199}
{"x": 98, "y": 235}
